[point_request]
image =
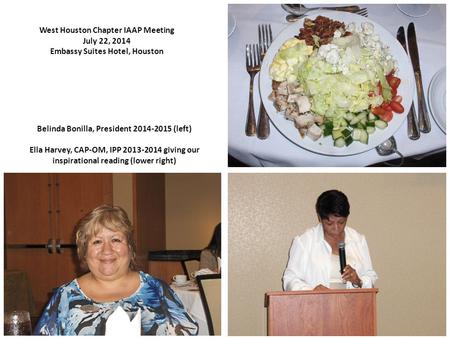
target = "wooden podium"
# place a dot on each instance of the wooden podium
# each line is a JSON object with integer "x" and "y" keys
{"x": 350, "y": 312}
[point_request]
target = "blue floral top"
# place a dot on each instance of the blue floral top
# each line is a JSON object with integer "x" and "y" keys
{"x": 70, "y": 312}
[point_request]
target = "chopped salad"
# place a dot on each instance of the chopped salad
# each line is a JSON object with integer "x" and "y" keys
{"x": 336, "y": 80}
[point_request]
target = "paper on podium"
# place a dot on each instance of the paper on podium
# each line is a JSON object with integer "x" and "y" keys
{"x": 118, "y": 324}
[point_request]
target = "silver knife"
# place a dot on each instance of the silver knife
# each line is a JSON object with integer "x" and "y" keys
{"x": 424, "y": 119}
{"x": 413, "y": 132}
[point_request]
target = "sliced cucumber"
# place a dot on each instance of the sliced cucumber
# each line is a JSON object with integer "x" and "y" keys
{"x": 346, "y": 133}
{"x": 356, "y": 134}
{"x": 336, "y": 134}
{"x": 372, "y": 117}
{"x": 364, "y": 137}
{"x": 336, "y": 124}
{"x": 328, "y": 124}
{"x": 327, "y": 128}
{"x": 370, "y": 129}
{"x": 354, "y": 121}
{"x": 380, "y": 124}
{"x": 353, "y": 127}
{"x": 348, "y": 141}
{"x": 349, "y": 116}
{"x": 361, "y": 115}
{"x": 340, "y": 142}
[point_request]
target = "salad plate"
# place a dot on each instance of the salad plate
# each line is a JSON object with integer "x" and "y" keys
{"x": 325, "y": 145}
{"x": 231, "y": 24}
{"x": 436, "y": 98}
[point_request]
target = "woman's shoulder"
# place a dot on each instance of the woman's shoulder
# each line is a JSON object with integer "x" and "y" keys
{"x": 65, "y": 293}
{"x": 151, "y": 281}
{"x": 68, "y": 287}
{"x": 152, "y": 288}
{"x": 308, "y": 234}
{"x": 354, "y": 234}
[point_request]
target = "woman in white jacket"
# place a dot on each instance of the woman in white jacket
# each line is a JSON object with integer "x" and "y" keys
{"x": 314, "y": 256}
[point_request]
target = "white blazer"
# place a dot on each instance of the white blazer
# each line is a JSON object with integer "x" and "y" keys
{"x": 310, "y": 256}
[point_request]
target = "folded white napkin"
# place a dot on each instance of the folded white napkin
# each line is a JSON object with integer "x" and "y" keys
{"x": 118, "y": 324}
{"x": 202, "y": 272}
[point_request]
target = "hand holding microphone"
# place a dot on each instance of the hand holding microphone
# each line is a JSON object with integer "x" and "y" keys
{"x": 348, "y": 273}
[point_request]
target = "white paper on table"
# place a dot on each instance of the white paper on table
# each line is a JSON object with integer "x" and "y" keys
{"x": 202, "y": 272}
{"x": 118, "y": 324}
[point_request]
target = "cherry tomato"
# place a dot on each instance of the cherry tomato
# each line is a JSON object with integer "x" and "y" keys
{"x": 393, "y": 81}
{"x": 397, "y": 107}
{"x": 397, "y": 98}
{"x": 386, "y": 106}
{"x": 379, "y": 111}
{"x": 387, "y": 116}
{"x": 394, "y": 92}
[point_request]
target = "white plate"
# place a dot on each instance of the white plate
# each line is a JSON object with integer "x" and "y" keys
{"x": 414, "y": 10}
{"x": 436, "y": 98}
{"x": 181, "y": 284}
{"x": 325, "y": 144}
{"x": 231, "y": 24}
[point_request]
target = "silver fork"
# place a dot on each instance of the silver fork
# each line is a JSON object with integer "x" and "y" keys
{"x": 253, "y": 63}
{"x": 363, "y": 12}
{"x": 265, "y": 39}
{"x": 294, "y": 17}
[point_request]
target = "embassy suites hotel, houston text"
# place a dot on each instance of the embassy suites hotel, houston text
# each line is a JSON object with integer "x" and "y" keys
{"x": 106, "y": 51}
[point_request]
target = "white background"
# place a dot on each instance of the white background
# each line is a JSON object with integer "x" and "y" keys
{"x": 186, "y": 85}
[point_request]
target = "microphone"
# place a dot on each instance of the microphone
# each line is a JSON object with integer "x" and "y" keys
{"x": 342, "y": 256}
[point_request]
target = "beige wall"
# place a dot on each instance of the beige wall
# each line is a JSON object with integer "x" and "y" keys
{"x": 123, "y": 193}
{"x": 193, "y": 204}
{"x": 192, "y": 209}
{"x": 402, "y": 216}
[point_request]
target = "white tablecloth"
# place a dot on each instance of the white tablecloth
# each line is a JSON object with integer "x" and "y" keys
{"x": 277, "y": 150}
{"x": 193, "y": 304}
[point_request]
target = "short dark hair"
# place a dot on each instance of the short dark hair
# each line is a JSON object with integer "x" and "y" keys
{"x": 332, "y": 203}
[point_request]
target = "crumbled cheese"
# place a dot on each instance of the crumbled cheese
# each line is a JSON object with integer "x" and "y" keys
{"x": 371, "y": 41}
{"x": 341, "y": 59}
{"x": 330, "y": 53}
{"x": 367, "y": 28}
{"x": 351, "y": 27}
{"x": 337, "y": 34}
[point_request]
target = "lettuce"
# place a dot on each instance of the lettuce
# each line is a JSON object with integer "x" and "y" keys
{"x": 332, "y": 92}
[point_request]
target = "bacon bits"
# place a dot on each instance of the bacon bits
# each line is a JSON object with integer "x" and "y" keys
{"x": 322, "y": 29}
